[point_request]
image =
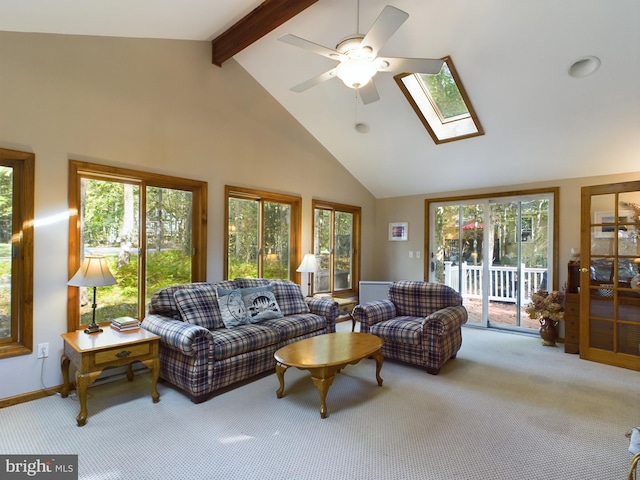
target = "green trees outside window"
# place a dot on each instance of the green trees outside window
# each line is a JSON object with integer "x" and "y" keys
{"x": 262, "y": 234}
{"x": 16, "y": 252}
{"x": 150, "y": 229}
{"x": 336, "y": 245}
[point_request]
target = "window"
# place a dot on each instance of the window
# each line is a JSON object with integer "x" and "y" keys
{"x": 441, "y": 103}
{"x": 496, "y": 249}
{"x": 16, "y": 252}
{"x": 336, "y": 245}
{"x": 262, "y": 234}
{"x": 151, "y": 229}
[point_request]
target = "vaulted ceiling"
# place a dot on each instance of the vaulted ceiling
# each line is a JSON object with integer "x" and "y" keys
{"x": 513, "y": 58}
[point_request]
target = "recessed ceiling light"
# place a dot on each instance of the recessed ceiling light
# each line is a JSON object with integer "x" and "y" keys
{"x": 362, "y": 128}
{"x": 584, "y": 67}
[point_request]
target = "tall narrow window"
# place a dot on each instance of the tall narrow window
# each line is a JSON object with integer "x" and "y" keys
{"x": 16, "y": 252}
{"x": 336, "y": 244}
{"x": 262, "y": 234}
{"x": 150, "y": 228}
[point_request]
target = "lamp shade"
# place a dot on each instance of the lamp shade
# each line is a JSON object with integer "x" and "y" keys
{"x": 309, "y": 264}
{"x": 93, "y": 272}
{"x": 356, "y": 72}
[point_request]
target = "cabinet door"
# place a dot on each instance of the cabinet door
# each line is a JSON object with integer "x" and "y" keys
{"x": 609, "y": 289}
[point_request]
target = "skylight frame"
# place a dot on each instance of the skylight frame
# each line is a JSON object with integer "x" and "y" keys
{"x": 441, "y": 130}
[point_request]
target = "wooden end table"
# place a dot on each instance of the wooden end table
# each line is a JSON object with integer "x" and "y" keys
{"x": 345, "y": 307}
{"x": 325, "y": 355}
{"x": 92, "y": 353}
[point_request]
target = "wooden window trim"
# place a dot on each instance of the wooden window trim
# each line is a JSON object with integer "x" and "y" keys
{"x": 554, "y": 191}
{"x": 425, "y": 122}
{"x": 24, "y": 194}
{"x": 357, "y": 216}
{"x": 79, "y": 170}
{"x": 295, "y": 202}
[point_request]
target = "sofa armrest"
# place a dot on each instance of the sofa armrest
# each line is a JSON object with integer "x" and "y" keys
{"x": 370, "y": 313}
{"x": 175, "y": 334}
{"x": 445, "y": 320}
{"x": 326, "y": 308}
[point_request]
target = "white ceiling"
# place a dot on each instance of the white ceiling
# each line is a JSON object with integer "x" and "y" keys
{"x": 512, "y": 57}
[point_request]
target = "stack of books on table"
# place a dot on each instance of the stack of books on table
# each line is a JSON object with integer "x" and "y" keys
{"x": 123, "y": 324}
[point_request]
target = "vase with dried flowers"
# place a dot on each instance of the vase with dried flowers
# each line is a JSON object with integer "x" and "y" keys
{"x": 548, "y": 309}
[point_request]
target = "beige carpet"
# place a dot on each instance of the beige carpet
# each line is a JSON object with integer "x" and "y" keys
{"x": 506, "y": 408}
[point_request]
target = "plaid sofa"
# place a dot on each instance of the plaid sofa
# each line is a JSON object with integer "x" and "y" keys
{"x": 200, "y": 355}
{"x": 420, "y": 323}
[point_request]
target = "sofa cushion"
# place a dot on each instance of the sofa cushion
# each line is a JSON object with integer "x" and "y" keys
{"x": 199, "y": 306}
{"x": 420, "y": 299}
{"x": 293, "y": 326}
{"x": 163, "y": 301}
{"x": 399, "y": 330}
{"x": 229, "y": 342}
{"x": 290, "y": 298}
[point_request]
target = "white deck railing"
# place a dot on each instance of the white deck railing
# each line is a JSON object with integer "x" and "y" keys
{"x": 503, "y": 281}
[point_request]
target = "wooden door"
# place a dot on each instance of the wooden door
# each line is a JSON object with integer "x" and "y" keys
{"x": 609, "y": 275}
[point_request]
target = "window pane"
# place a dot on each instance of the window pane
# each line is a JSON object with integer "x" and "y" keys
{"x": 441, "y": 103}
{"x": 343, "y": 251}
{"x": 277, "y": 228}
{"x": 6, "y": 234}
{"x": 445, "y": 94}
{"x": 243, "y": 238}
{"x": 109, "y": 227}
{"x": 169, "y": 242}
{"x": 322, "y": 249}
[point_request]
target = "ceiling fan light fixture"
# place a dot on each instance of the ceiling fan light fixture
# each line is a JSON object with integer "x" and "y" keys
{"x": 356, "y": 72}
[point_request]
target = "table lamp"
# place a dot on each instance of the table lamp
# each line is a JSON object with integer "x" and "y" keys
{"x": 309, "y": 265}
{"x": 94, "y": 272}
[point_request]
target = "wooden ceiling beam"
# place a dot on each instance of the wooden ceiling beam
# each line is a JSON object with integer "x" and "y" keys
{"x": 262, "y": 20}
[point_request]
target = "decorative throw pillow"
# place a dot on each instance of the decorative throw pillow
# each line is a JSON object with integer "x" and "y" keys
{"x": 290, "y": 297}
{"x": 198, "y": 306}
{"x": 259, "y": 303}
{"x": 232, "y": 307}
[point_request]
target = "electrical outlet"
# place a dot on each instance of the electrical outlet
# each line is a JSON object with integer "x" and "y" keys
{"x": 43, "y": 350}
{"x": 417, "y": 253}
{"x": 410, "y": 254}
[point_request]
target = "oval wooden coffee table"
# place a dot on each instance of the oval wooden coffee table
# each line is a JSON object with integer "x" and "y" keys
{"x": 325, "y": 355}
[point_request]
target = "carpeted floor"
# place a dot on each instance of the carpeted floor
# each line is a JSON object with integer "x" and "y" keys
{"x": 506, "y": 408}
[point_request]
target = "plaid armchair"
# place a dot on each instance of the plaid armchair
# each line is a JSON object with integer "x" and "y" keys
{"x": 420, "y": 323}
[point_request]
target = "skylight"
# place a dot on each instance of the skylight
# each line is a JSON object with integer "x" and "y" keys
{"x": 441, "y": 103}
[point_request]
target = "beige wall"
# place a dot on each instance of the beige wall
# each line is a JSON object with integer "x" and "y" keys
{"x": 161, "y": 106}
{"x": 392, "y": 258}
{"x": 155, "y": 105}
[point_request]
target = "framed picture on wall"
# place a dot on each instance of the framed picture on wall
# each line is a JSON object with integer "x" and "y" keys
{"x": 607, "y": 231}
{"x": 398, "y": 231}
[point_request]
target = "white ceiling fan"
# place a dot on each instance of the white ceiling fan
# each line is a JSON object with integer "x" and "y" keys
{"x": 358, "y": 58}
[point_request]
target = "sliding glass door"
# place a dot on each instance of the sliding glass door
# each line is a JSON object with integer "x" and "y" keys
{"x": 495, "y": 251}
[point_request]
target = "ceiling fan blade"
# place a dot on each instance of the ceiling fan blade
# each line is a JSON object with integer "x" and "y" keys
{"x": 409, "y": 65}
{"x": 323, "y": 77}
{"x": 313, "y": 47}
{"x": 389, "y": 20}
{"x": 369, "y": 93}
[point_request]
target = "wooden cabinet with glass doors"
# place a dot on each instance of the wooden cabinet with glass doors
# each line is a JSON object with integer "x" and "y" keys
{"x": 609, "y": 274}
